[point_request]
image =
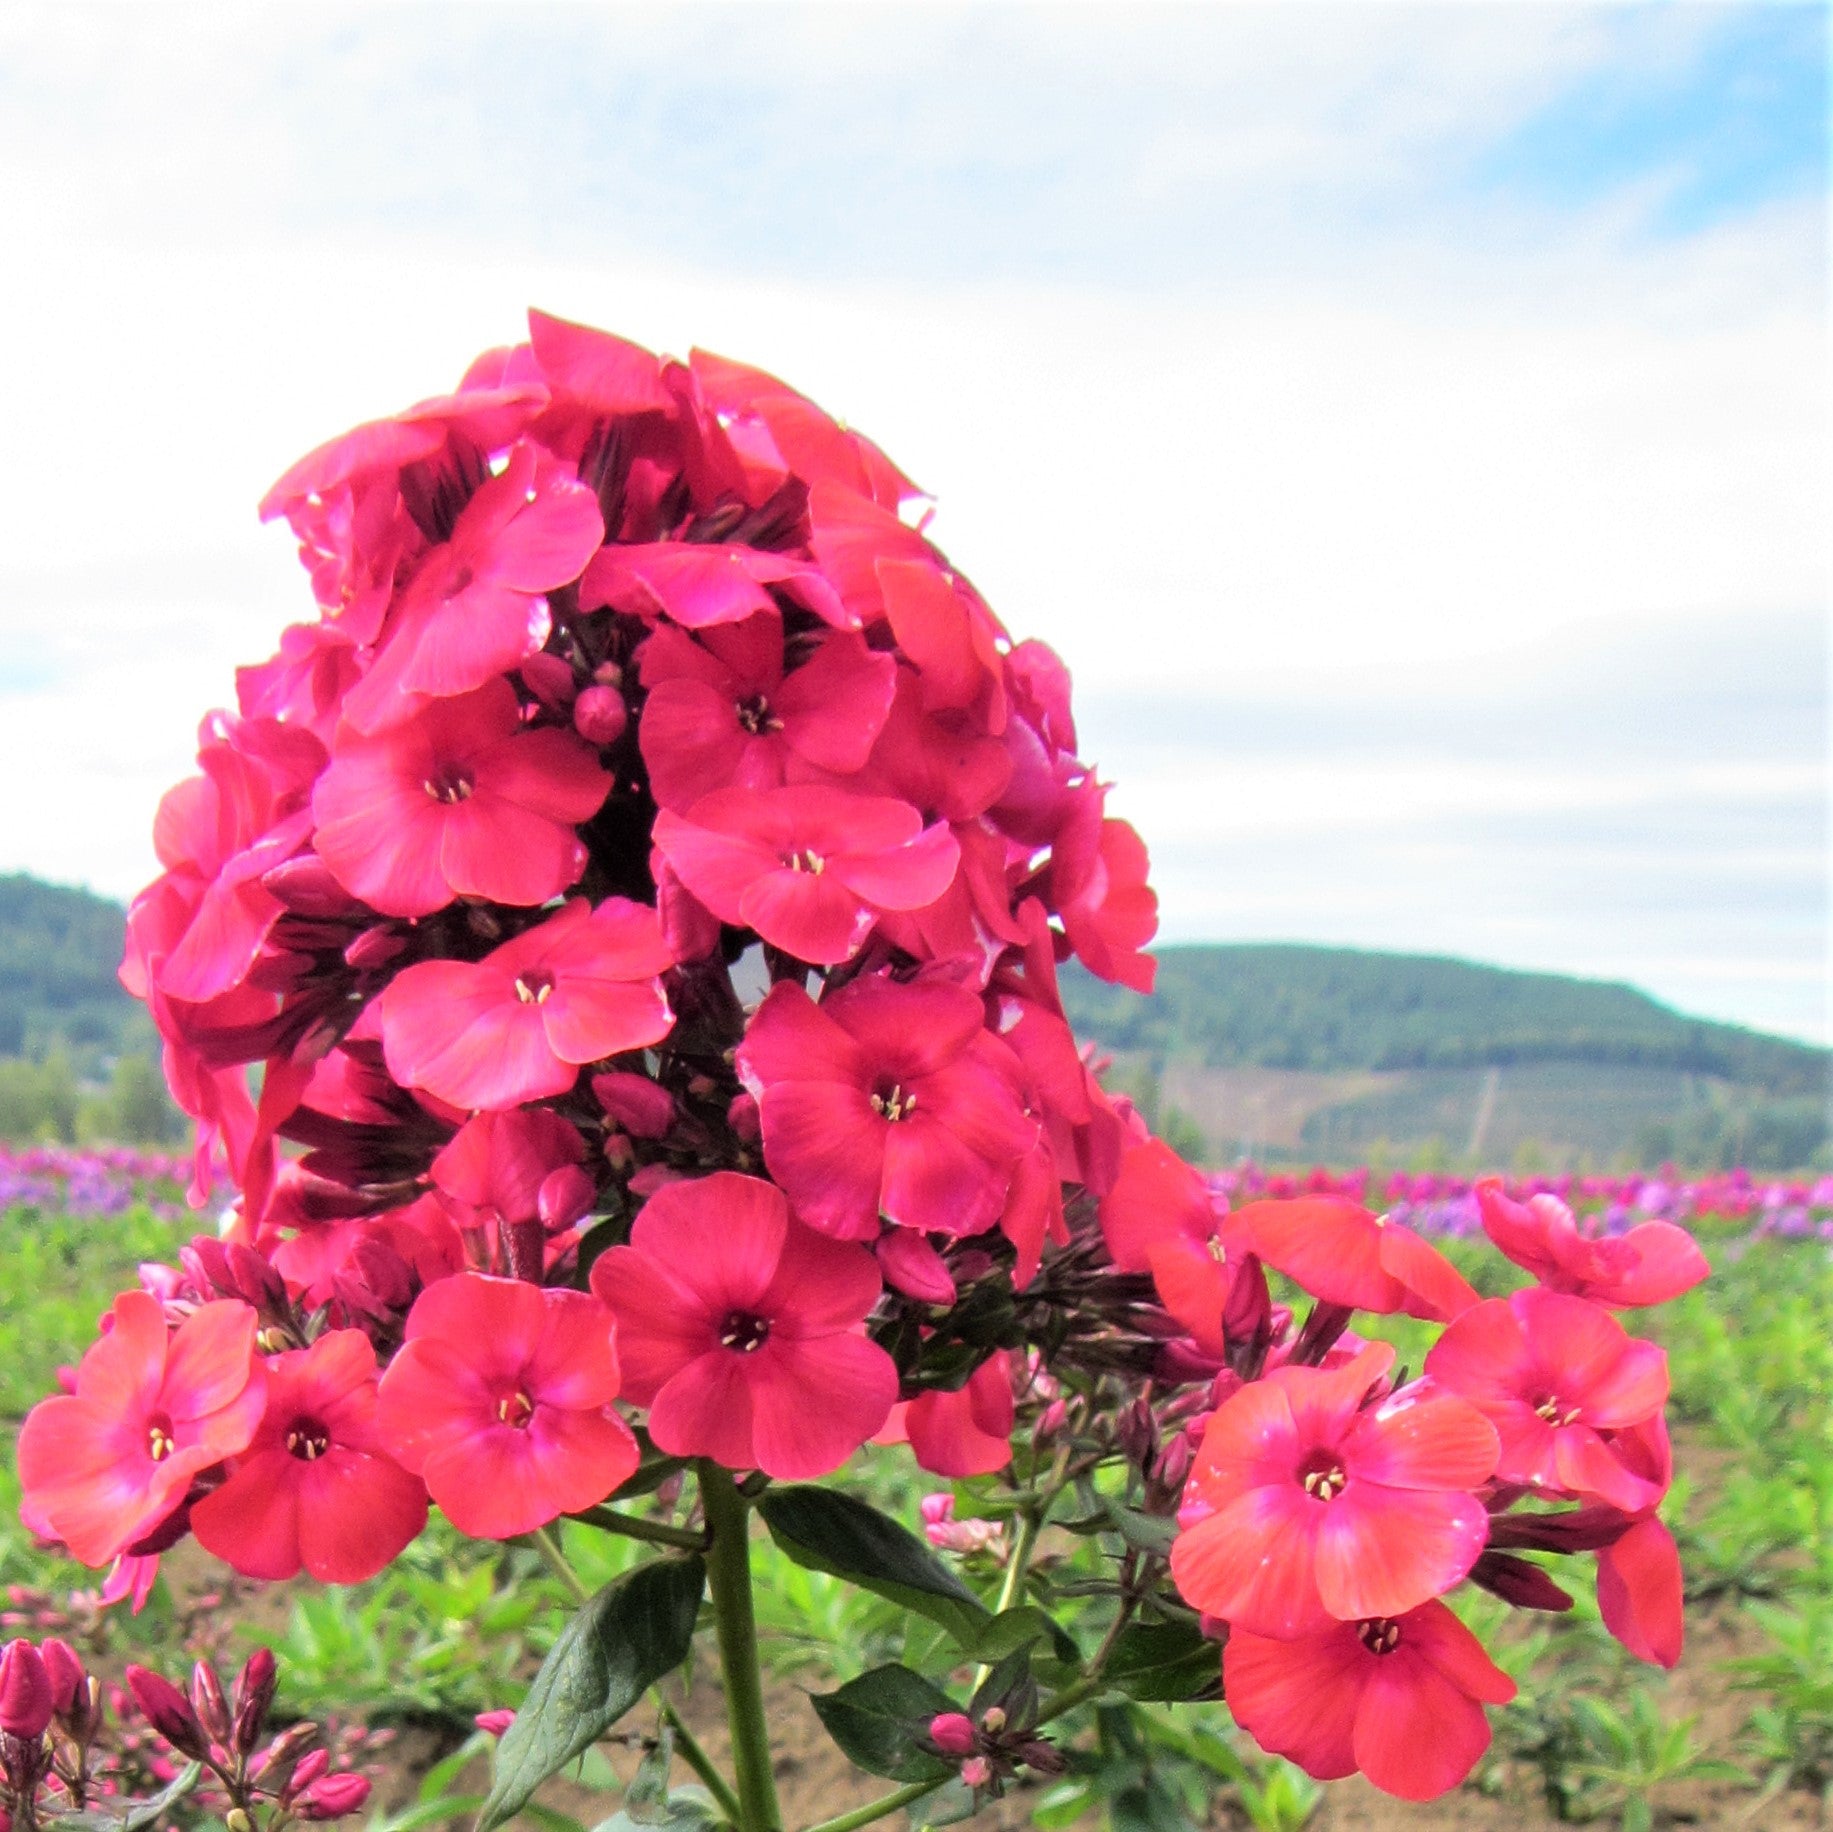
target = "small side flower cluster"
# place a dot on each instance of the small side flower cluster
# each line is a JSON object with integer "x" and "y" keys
{"x": 1332, "y": 1502}
{"x": 60, "y": 1755}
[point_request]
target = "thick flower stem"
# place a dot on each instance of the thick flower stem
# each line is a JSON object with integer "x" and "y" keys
{"x": 728, "y": 1563}
{"x": 881, "y": 1808}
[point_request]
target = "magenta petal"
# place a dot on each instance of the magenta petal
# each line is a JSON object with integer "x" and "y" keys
{"x": 1382, "y": 1551}
{"x": 357, "y": 1513}
{"x": 814, "y": 1402}
{"x": 935, "y": 1184}
{"x": 733, "y": 1270}
{"x": 705, "y": 1411}
{"x": 1639, "y": 1593}
{"x": 825, "y": 1145}
{"x": 813, "y": 916}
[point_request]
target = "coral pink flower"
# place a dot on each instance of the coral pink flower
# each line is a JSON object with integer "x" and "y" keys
{"x": 500, "y": 1400}
{"x": 517, "y": 1025}
{"x": 1398, "y": 1698}
{"x": 701, "y": 585}
{"x": 1344, "y": 1254}
{"x": 1553, "y": 1373}
{"x": 1640, "y": 1592}
{"x": 807, "y": 867}
{"x": 477, "y": 606}
{"x": 1306, "y": 1504}
{"x": 1653, "y": 1262}
{"x": 740, "y": 1330}
{"x": 722, "y": 712}
{"x": 890, "y": 1100}
{"x": 500, "y": 1163}
{"x": 1157, "y": 1199}
{"x": 969, "y": 1432}
{"x": 1098, "y": 886}
{"x": 315, "y": 1490}
{"x": 460, "y": 801}
{"x": 150, "y": 1412}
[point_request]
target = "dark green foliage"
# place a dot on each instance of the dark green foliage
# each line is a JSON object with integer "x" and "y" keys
{"x": 635, "y": 1630}
{"x": 1292, "y": 1007}
{"x": 879, "y": 1720}
{"x": 59, "y": 948}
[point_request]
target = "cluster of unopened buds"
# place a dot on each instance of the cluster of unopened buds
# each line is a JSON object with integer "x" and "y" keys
{"x": 642, "y": 887}
{"x": 60, "y": 1753}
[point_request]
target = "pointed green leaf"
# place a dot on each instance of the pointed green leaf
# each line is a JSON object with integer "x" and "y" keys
{"x": 828, "y": 1531}
{"x": 639, "y": 1627}
{"x": 878, "y": 1719}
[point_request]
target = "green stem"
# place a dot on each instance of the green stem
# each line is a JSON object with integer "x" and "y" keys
{"x": 1012, "y": 1585}
{"x": 634, "y": 1526}
{"x": 699, "y": 1761}
{"x": 728, "y": 1570}
{"x": 880, "y": 1808}
{"x": 548, "y": 1545}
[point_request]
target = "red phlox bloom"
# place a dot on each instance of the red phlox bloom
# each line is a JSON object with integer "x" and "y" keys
{"x": 702, "y": 584}
{"x": 517, "y": 1025}
{"x": 941, "y": 762}
{"x": 1156, "y": 1199}
{"x": 722, "y": 712}
{"x": 946, "y": 631}
{"x": 500, "y": 1400}
{"x": 1098, "y": 872}
{"x": 740, "y": 1329}
{"x": 1653, "y": 1262}
{"x": 499, "y": 1162}
{"x": 1307, "y": 1505}
{"x": 477, "y": 605}
{"x": 1345, "y": 1254}
{"x": 1641, "y": 1594}
{"x": 780, "y": 433}
{"x": 1554, "y": 1374}
{"x": 150, "y": 1412}
{"x": 887, "y": 1099}
{"x": 807, "y": 867}
{"x": 460, "y": 801}
{"x": 1398, "y": 1699}
{"x": 315, "y": 1490}
{"x": 609, "y": 375}
{"x": 968, "y": 1432}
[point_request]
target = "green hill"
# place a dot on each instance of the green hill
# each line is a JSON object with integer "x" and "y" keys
{"x": 1333, "y": 1052}
{"x": 59, "y": 948}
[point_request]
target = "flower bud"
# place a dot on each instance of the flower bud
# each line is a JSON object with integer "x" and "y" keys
{"x": 334, "y": 1797}
{"x": 566, "y": 1195}
{"x": 276, "y": 1764}
{"x": 254, "y": 1693}
{"x": 993, "y": 1720}
{"x": 494, "y": 1723}
{"x": 550, "y": 679}
{"x": 1052, "y": 1421}
{"x": 168, "y": 1711}
{"x": 642, "y": 1107}
{"x": 1042, "y": 1757}
{"x": 375, "y": 948}
{"x": 65, "y": 1672}
{"x": 26, "y": 1699}
{"x": 951, "y": 1733}
{"x": 1138, "y": 1433}
{"x": 600, "y": 715}
{"x": 742, "y": 1116}
{"x": 313, "y": 1765}
{"x": 976, "y": 1771}
{"x": 238, "y": 1821}
{"x": 208, "y": 1702}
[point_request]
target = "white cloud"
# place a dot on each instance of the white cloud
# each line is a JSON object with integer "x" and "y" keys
{"x": 1436, "y": 465}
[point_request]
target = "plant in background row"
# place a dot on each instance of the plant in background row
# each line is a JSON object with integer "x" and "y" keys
{"x": 642, "y": 888}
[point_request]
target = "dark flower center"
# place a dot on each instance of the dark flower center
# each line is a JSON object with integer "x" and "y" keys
{"x": 307, "y": 1440}
{"x": 533, "y": 987}
{"x": 744, "y": 1332}
{"x": 892, "y": 1102}
{"x": 450, "y": 785}
{"x": 160, "y": 1442}
{"x": 1555, "y": 1411}
{"x": 1380, "y": 1634}
{"x": 1322, "y": 1476}
{"x": 515, "y": 1409}
{"x": 756, "y": 717}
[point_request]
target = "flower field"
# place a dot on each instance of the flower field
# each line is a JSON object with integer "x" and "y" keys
{"x": 401, "y": 1666}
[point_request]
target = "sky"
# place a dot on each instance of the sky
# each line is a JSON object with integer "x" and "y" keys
{"x": 1411, "y": 423}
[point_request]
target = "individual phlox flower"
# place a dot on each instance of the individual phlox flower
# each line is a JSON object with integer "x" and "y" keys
{"x": 1653, "y": 1262}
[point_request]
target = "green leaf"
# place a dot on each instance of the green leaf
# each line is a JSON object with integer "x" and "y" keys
{"x": 949, "y": 1804}
{"x": 1017, "y": 1628}
{"x": 828, "y": 1531}
{"x": 878, "y": 1718}
{"x": 1165, "y": 1663}
{"x": 1063, "y": 1805}
{"x": 639, "y": 1627}
{"x": 1143, "y": 1532}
